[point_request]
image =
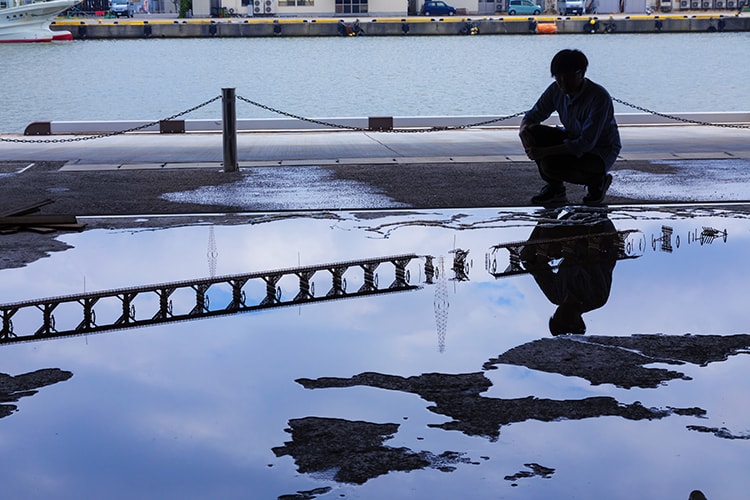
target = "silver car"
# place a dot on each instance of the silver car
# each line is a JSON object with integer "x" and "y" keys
{"x": 121, "y": 8}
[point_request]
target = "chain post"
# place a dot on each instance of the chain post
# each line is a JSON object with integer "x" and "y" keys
{"x": 229, "y": 130}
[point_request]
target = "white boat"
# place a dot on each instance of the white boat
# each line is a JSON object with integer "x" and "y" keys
{"x": 28, "y": 21}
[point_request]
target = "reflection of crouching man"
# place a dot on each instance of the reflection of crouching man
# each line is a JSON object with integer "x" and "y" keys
{"x": 582, "y": 277}
{"x": 585, "y": 148}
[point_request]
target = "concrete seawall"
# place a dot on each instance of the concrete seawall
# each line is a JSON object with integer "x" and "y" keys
{"x": 411, "y": 26}
{"x": 741, "y": 118}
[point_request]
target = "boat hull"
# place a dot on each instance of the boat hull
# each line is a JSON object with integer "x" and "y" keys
{"x": 30, "y": 22}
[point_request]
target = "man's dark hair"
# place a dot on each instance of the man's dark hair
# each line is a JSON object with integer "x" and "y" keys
{"x": 567, "y": 319}
{"x": 568, "y": 61}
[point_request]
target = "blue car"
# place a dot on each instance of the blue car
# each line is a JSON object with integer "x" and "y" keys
{"x": 524, "y": 8}
{"x": 437, "y": 8}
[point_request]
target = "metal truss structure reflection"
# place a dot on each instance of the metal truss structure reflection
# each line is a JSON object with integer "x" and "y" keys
{"x": 665, "y": 240}
{"x": 706, "y": 236}
{"x": 628, "y": 244}
{"x": 38, "y": 320}
{"x": 40, "y": 313}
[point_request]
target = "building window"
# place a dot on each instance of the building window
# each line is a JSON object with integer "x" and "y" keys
{"x": 296, "y": 3}
{"x": 351, "y": 6}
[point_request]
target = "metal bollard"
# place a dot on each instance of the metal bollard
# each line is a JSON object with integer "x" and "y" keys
{"x": 229, "y": 130}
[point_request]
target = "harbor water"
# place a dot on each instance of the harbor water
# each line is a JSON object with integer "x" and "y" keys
{"x": 377, "y": 76}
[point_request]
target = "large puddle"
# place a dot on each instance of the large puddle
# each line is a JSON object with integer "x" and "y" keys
{"x": 389, "y": 354}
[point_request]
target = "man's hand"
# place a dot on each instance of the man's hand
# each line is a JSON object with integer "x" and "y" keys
{"x": 540, "y": 152}
{"x": 527, "y": 140}
{"x": 535, "y": 153}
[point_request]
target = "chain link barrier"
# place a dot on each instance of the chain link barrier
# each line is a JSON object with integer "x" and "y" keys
{"x": 482, "y": 123}
{"x": 353, "y": 128}
{"x": 679, "y": 118}
{"x": 111, "y": 134}
{"x": 362, "y": 129}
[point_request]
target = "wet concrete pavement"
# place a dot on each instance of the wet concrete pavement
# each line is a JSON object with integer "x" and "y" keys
{"x": 183, "y": 173}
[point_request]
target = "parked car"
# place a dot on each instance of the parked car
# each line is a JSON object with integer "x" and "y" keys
{"x": 567, "y": 7}
{"x": 524, "y": 8}
{"x": 121, "y": 8}
{"x": 437, "y": 8}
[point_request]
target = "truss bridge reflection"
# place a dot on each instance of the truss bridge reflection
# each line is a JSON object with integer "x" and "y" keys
{"x": 186, "y": 300}
{"x": 627, "y": 244}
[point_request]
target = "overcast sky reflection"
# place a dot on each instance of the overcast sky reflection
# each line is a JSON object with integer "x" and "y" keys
{"x": 229, "y": 406}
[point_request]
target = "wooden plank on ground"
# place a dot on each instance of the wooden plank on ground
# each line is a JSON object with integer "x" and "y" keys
{"x": 38, "y": 220}
{"x": 40, "y": 230}
{"x": 60, "y": 227}
{"x": 34, "y": 207}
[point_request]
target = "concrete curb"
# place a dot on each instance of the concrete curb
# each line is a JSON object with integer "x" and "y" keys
{"x": 361, "y": 123}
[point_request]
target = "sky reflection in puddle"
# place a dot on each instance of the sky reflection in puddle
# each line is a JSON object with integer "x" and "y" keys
{"x": 455, "y": 389}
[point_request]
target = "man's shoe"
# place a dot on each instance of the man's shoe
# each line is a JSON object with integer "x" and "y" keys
{"x": 596, "y": 194}
{"x": 550, "y": 196}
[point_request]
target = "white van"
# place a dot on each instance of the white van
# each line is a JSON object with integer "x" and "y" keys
{"x": 121, "y": 8}
{"x": 568, "y": 7}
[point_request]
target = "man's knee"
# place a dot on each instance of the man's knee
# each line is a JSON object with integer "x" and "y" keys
{"x": 544, "y": 135}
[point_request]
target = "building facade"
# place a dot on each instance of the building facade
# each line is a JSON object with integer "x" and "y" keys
{"x": 320, "y": 8}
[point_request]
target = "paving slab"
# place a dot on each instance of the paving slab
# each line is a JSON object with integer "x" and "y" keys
{"x": 88, "y": 167}
{"x": 208, "y": 165}
{"x": 141, "y": 166}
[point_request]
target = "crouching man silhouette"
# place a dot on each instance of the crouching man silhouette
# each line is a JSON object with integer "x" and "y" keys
{"x": 584, "y": 149}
